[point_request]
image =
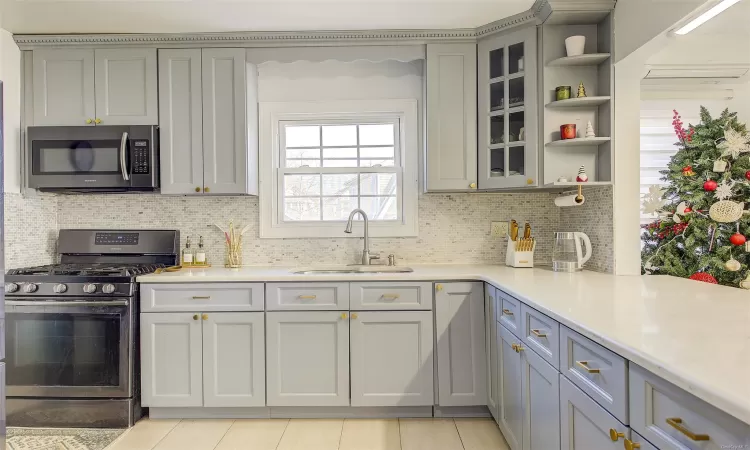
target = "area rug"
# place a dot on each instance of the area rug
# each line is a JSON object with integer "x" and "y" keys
{"x": 60, "y": 438}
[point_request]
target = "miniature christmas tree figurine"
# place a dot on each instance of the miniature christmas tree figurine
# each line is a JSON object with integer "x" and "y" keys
{"x": 581, "y": 90}
{"x": 582, "y": 177}
{"x": 590, "y": 130}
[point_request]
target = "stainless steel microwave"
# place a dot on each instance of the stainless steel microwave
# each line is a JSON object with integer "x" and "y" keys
{"x": 93, "y": 158}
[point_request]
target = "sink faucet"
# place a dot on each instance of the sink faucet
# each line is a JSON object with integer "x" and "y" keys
{"x": 366, "y": 258}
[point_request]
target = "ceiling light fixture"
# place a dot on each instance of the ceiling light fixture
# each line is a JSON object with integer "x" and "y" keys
{"x": 706, "y": 16}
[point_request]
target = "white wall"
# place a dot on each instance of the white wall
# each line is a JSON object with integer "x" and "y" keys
{"x": 10, "y": 74}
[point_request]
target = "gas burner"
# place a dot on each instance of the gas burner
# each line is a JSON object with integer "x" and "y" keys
{"x": 96, "y": 270}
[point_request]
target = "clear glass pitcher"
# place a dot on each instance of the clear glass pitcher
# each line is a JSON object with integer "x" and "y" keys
{"x": 567, "y": 253}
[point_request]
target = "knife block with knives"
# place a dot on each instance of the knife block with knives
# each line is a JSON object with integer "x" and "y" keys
{"x": 520, "y": 251}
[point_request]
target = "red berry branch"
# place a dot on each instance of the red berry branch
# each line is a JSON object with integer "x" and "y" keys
{"x": 683, "y": 135}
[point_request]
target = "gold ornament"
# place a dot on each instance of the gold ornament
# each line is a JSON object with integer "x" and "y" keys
{"x": 745, "y": 284}
{"x": 581, "y": 90}
{"x": 732, "y": 265}
{"x": 726, "y": 211}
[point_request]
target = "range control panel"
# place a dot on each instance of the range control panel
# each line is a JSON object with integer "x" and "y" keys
{"x": 140, "y": 151}
{"x": 116, "y": 239}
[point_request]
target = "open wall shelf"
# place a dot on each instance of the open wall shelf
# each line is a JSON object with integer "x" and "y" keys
{"x": 591, "y": 59}
{"x": 579, "y": 102}
{"x": 578, "y": 142}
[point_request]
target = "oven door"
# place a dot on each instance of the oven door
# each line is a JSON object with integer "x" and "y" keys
{"x": 71, "y": 348}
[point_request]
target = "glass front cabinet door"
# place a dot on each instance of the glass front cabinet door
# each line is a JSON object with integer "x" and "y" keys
{"x": 507, "y": 144}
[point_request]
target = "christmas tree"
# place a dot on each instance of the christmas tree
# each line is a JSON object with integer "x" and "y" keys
{"x": 702, "y": 224}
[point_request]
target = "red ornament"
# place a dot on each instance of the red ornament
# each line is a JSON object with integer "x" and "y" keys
{"x": 704, "y": 277}
{"x": 688, "y": 209}
{"x": 711, "y": 185}
{"x": 747, "y": 174}
{"x": 737, "y": 239}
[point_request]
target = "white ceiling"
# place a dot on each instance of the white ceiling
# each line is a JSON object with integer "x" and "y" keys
{"x": 174, "y": 16}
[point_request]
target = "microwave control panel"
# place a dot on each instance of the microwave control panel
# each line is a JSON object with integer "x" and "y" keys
{"x": 140, "y": 151}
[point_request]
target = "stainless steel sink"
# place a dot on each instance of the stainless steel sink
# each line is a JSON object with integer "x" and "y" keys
{"x": 353, "y": 269}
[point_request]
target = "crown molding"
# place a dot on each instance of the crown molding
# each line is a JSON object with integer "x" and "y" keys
{"x": 507, "y": 23}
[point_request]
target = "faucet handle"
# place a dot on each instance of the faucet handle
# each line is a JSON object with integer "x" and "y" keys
{"x": 391, "y": 259}
{"x": 373, "y": 257}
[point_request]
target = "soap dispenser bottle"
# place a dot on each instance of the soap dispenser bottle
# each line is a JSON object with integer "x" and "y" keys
{"x": 187, "y": 253}
{"x": 200, "y": 254}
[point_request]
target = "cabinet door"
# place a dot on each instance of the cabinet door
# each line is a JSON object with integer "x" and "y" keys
{"x": 63, "y": 87}
{"x": 584, "y": 425}
{"x": 392, "y": 358}
{"x": 171, "y": 359}
{"x": 451, "y": 117}
{"x": 181, "y": 121}
{"x": 490, "y": 327}
{"x": 307, "y": 357}
{"x": 225, "y": 150}
{"x": 462, "y": 364}
{"x": 541, "y": 402}
{"x": 509, "y": 388}
{"x": 507, "y": 111}
{"x": 234, "y": 369}
{"x": 126, "y": 86}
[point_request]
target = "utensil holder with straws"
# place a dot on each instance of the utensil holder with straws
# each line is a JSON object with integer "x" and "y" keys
{"x": 233, "y": 245}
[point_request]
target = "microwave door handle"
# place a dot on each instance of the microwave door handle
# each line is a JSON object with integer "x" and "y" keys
{"x": 123, "y": 162}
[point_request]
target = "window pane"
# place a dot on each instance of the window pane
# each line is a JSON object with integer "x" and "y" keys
{"x": 380, "y": 208}
{"x": 376, "y": 163}
{"x": 376, "y": 152}
{"x": 339, "y": 135}
{"x": 301, "y": 185}
{"x": 340, "y": 184}
{"x": 302, "y": 136}
{"x": 301, "y": 209}
{"x": 303, "y": 163}
{"x": 339, "y": 163}
{"x": 376, "y": 134}
{"x": 378, "y": 184}
{"x": 339, "y": 153}
{"x": 307, "y": 153}
{"x": 338, "y": 208}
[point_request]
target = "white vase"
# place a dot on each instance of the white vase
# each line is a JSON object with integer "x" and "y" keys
{"x": 574, "y": 45}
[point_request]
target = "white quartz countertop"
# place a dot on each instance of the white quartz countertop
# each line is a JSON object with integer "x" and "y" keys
{"x": 693, "y": 334}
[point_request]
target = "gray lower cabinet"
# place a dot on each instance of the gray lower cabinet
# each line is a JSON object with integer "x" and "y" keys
{"x": 584, "y": 425}
{"x": 116, "y": 86}
{"x": 541, "y": 401}
{"x": 307, "y": 358}
{"x": 510, "y": 388}
{"x": 490, "y": 342}
{"x": 203, "y": 115}
{"x": 202, "y": 359}
{"x": 462, "y": 366}
{"x": 451, "y": 99}
{"x": 391, "y": 358}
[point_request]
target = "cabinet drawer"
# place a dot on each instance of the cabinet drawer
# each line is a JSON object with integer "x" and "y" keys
{"x": 307, "y": 296}
{"x": 673, "y": 419}
{"x": 541, "y": 334}
{"x": 584, "y": 425}
{"x": 640, "y": 440}
{"x": 510, "y": 312}
{"x": 201, "y": 297}
{"x": 390, "y": 296}
{"x": 597, "y": 371}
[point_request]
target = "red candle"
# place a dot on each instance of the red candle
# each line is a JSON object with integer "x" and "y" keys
{"x": 568, "y": 131}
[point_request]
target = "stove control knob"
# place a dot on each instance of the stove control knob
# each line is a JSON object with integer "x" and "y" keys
{"x": 108, "y": 288}
{"x": 30, "y": 288}
{"x": 89, "y": 288}
{"x": 11, "y": 288}
{"x": 60, "y": 288}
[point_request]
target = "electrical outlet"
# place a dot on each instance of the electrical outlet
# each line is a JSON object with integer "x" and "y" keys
{"x": 499, "y": 229}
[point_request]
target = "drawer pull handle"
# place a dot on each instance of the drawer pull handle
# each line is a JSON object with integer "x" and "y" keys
{"x": 615, "y": 435}
{"x": 538, "y": 333}
{"x": 585, "y": 366}
{"x": 630, "y": 445}
{"x": 391, "y": 296}
{"x": 201, "y": 297}
{"x": 507, "y": 312}
{"x": 308, "y": 297}
{"x": 676, "y": 423}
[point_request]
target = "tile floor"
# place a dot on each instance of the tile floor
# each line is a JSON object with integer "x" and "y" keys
{"x": 310, "y": 434}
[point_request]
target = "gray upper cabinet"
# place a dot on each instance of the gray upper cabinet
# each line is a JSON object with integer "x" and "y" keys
{"x": 451, "y": 161}
{"x": 125, "y": 84}
{"x": 88, "y": 87}
{"x": 507, "y": 110}
{"x": 63, "y": 87}
{"x": 181, "y": 121}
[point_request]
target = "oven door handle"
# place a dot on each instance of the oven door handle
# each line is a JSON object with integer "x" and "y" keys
{"x": 123, "y": 162}
{"x": 63, "y": 303}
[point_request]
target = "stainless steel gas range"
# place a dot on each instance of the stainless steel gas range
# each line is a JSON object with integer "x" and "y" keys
{"x": 72, "y": 329}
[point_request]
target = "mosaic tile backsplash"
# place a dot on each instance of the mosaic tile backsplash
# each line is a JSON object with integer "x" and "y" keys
{"x": 453, "y": 228}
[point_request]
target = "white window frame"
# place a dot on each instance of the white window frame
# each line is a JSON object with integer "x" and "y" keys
{"x": 271, "y": 117}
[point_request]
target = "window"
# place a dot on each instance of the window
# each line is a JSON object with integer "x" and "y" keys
{"x": 319, "y": 164}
